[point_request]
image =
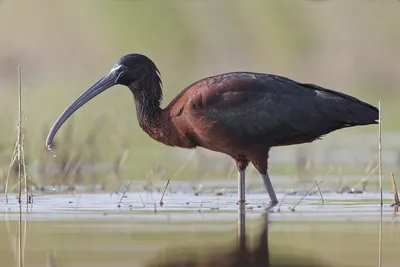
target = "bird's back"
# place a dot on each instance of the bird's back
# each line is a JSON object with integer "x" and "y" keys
{"x": 249, "y": 84}
{"x": 272, "y": 109}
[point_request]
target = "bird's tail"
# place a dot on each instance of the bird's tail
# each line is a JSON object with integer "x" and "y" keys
{"x": 361, "y": 113}
{"x": 350, "y": 111}
{"x": 346, "y": 109}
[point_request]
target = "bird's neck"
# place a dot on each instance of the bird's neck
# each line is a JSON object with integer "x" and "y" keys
{"x": 154, "y": 120}
{"x": 151, "y": 116}
{"x": 148, "y": 113}
{"x": 148, "y": 97}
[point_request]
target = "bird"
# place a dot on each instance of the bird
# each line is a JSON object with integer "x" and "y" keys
{"x": 240, "y": 114}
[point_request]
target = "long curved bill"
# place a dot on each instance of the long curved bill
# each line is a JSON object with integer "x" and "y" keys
{"x": 100, "y": 86}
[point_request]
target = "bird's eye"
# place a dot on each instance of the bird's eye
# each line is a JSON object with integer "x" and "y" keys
{"x": 116, "y": 68}
{"x": 122, "y": 68}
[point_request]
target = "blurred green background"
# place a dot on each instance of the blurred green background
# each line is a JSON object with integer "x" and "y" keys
{"x": 65, "y": 46}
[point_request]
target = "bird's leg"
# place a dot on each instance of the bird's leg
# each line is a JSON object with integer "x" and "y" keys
{"x": 241, "y": 234}
{"x": 270, "y": 189}
{"x": 261, "y": 164}
{"x": 241, "y": 187}
{"x": 241, "y": 242}
{"x": 241, "y": 165}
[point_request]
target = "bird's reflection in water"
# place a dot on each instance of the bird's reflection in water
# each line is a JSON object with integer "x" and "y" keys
{"x": 242, "y": 255}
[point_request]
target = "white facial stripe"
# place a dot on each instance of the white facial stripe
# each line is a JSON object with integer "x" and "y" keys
{"x": 115, "y": 68}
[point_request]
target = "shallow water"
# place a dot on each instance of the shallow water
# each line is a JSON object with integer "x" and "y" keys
{"x": 187, "y": 207}
{"x": 90, "y": 229}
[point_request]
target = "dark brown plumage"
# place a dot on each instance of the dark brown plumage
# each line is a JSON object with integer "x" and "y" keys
{"x": 241, "y": 114}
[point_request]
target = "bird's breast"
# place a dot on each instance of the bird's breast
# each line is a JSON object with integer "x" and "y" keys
{"x": 167, "y": 133}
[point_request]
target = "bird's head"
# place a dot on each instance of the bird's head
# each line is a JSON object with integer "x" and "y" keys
{"x": 132, "y": 70}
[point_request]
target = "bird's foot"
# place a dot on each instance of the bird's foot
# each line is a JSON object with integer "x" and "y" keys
{"x": 271, "y": 205}
{"x": 241, "y": 202}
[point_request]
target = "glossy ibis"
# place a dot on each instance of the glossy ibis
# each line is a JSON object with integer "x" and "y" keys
{"x": 240, "y": 114}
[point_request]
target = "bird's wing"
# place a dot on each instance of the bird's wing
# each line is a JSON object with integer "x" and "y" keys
{"x": 269, "y": 106}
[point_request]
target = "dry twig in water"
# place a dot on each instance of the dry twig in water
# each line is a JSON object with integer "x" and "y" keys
{"x": 320, "y": 192}
{"x": 123, "y": 195}
{"x": 286, "y": 192}
{"x": 18, "y": 153}
{"x": 380, "y": 182}
{"x": 395, "y": 192}
{"x": 165, "y": 189}
{"x": 366, "y": 177}
{"x": 380, "y": 151}
{"x": 396, "y": 205}
{"x": 140, "y": 196}
{"x": 309, "y": 192}
{"x": 183, "y": 166}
